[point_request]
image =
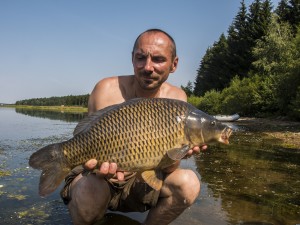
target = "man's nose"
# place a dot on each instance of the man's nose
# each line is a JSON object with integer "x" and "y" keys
{"x": 149, "y": 64}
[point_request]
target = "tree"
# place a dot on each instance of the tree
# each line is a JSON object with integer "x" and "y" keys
{"x": 275, "y": 59}
{"x": 283, "y": 10}
{"x": 213, "y": 72}
{"x": 289, "y": 11}
{"x": 188, "y": 89}
{"x": 238, "y": 46}
{"x": 232, "y": 56}
{"x": 70, "y": 100}
{"x": 294, "y": 107}
{"x": 247, "y": 28}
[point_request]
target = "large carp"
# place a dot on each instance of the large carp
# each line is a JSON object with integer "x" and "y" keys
{"x": 142, "y": 135}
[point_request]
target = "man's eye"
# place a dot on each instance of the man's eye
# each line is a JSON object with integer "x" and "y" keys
{"x": 140, "y": 57}
{"x": 159, "y": 59}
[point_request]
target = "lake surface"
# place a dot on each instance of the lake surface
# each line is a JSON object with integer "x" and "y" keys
{"x": 251, "y": 181}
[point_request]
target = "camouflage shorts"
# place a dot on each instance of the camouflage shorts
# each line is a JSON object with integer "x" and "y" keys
{"x": 130, "y": 195}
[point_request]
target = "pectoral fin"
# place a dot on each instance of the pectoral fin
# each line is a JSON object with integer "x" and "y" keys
{"x": 178, "y": 153}
{"x": 153, "y": 178}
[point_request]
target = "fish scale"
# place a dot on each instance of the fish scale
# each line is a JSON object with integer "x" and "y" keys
{"x": 141, "y": 135}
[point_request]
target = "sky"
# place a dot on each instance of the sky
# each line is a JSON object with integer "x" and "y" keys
{"x": 64, "y": 47}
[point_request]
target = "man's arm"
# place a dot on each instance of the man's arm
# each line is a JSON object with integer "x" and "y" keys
{"x": 100, "y": 98}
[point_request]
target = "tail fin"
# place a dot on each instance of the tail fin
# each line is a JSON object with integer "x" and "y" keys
{"x": 54, "y": 166}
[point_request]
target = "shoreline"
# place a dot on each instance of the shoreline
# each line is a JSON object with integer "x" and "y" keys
{"x": 62, "y": 108}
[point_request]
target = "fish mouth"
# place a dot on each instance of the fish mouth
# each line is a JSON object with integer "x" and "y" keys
{"x": 225, "y": 134}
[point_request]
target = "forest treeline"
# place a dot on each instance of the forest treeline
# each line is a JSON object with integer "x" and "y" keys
{"x": 254, "y": 70}
{"x": 70, "y": 100}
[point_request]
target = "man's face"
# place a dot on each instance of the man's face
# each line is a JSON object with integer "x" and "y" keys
{"x": 152, "y": 60}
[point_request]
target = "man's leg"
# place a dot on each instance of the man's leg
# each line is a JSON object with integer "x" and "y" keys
{"x": 179, "y": 191}
{"x": 90, "y": 197}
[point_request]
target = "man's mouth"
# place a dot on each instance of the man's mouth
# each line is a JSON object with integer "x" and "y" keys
{"x": 148, "y": 78}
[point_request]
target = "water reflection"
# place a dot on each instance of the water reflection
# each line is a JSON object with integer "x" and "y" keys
{"x": 53, "y": 115}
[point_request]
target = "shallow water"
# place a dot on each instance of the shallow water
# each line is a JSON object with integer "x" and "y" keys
{"x": 251, "y": 181}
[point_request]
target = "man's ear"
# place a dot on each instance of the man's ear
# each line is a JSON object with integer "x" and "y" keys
{"x": 174, "y": 65}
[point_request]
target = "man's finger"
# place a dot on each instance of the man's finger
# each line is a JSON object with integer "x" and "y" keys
{"x": 91, "y": 164}
{"x": 120, "y": 176}
{"x": 104, "y": 168}
{"x": 112, "y": 168}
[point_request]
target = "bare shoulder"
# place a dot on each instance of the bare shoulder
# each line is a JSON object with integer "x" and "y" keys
{"x": 108, "y": 91}
{"x": 173, "y": 92}
{"x": 106, "y": 83}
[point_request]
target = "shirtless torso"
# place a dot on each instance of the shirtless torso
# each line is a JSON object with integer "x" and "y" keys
{"x": 115, "y": 90}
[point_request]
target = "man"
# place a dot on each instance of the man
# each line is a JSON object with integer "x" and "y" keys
{"x": 88, "y": 197}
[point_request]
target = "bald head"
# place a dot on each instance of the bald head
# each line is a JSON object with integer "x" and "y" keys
{"x": 155, "y": 31}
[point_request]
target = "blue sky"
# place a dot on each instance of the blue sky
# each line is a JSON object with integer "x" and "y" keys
{"x": 63, "y": 47}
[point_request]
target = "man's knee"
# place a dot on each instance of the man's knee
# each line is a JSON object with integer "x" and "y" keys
{"x": 89, "y": 199}
{"x": 186, "y": 185}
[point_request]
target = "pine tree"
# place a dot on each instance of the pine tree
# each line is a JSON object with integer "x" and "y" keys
{"x": 283, "y": 10}
{"x": 188, "y": 89}
{"x": 289, "y": 11}
{"x": 238, "y": 49}
{"x": 213, "y": 72}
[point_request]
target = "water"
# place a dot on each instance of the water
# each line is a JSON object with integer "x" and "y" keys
{"x": 252, "y": 181}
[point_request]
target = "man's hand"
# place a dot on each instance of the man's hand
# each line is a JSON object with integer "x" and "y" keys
{"x": 107, "y": 170}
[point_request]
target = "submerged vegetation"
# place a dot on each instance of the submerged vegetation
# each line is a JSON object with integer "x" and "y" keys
{"x": 4, "y": 173}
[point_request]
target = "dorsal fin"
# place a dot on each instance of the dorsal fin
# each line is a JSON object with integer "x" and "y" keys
{"x": 86, "y": 123}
